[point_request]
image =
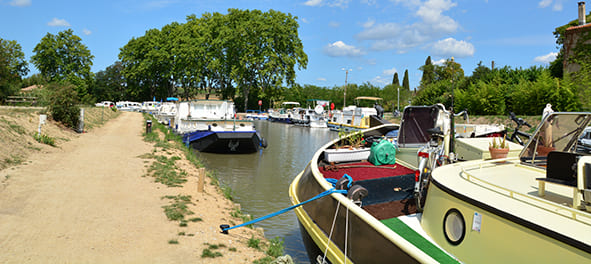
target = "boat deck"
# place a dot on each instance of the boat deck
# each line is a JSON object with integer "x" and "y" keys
{"x": 512, "y": 188}
{"x": 385, "y": 199}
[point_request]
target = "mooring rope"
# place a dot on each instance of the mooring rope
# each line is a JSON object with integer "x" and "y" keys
{"x": 334, "y": 220}
{"x": 225, "y": 228}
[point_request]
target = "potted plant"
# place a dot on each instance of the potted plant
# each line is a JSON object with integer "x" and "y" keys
{"x": 348, "y": 148}
{"x": 498, "y": 148}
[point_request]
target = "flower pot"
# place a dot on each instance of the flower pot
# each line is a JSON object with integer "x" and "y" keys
{"x": 496, "y": 153}
{"x": 344, "y": 155}
{"x": 543, "y": 151}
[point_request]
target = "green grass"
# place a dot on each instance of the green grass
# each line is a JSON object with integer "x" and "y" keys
{"x": 276, "y": 247}
{"x": 208, "y": 253}
{"x": 265, "y": 260}
{"x": 244, "y": 217}
{"x": 166, "y": 172}
{"x": 227, "y": 191}
{"x": 177, "y": 209}
{"x": 45, "y": 139}
{"x": 173, "y": 241}
{"x": 254, "y": 243}
{"x": 14, "y": 160}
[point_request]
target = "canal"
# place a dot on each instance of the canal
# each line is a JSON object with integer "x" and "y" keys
{"x": 260, "y": 181}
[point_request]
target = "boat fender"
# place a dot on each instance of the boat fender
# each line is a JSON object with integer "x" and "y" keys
{"x": 357, "y": 193}
{"x": 344, "y": 183}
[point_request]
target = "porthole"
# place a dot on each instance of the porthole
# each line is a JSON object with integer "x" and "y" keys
{"x": 214, "y": 124}
{"x": 454, "y": 227}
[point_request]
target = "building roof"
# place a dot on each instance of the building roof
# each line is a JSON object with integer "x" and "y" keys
{"x": 580, "y": 27}
{"x": 31, "y": 88}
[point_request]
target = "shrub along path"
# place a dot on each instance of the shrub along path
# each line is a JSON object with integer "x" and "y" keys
{"x": 87, "y": 202}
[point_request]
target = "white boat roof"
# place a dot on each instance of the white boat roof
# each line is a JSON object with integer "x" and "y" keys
{"x": 290, "y": 103}
{"x": 368, "y": 98}
{"x": 512, "y": 188}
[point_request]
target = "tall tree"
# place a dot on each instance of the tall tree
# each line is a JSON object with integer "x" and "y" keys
{"x": 428, "y": 72}
{"x": 405, "y": 82}
{"x": 110, "y": 84}
{"x": 13, "y": 67}
{"x": 395, "y": 80}
{"x": 63, "y": 57}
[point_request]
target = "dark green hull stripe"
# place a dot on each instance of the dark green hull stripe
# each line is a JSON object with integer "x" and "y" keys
{"x": 418, "y": 241}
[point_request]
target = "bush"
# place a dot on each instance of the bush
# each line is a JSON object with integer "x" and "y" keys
{"x": 63, "y": 104}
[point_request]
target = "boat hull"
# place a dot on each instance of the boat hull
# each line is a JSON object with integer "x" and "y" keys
{"x": 224, "y": 142}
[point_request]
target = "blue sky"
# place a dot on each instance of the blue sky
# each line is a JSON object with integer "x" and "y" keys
{"x": 370, "y": 38}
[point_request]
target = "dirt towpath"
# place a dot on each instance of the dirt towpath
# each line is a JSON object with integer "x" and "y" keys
{"x": 87, "y": 202}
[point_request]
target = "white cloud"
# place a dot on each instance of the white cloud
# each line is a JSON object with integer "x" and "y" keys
{"x": 379, "y": 32}
{"x": 439, "y": 62}
{"x": 452, "y": 47}
{"x": 389, "y": 72}
{"x": 550, "y": 57}
{"x": 322, "y": 79}
{"x": 546, "y": 3}
{"x": 340, "y": 49}
{"x": 330, "y": 3}
{"x": 370, "y": 22}
{"x": 55, "y": 22}
{"x": 381, "y": 80}
{"x": 305, "y": 20}
{"x": 86, "y": 32}
{"x": 432, "y": 24}
{"x": 20, "y": 3}
{"x": 334, "y": 24}
{"x": 313, "y": 2}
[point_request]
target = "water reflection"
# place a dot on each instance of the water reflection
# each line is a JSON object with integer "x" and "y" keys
{"x": 260, "y": 181}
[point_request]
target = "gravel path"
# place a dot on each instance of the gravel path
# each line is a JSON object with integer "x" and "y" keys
{"x": 87, "y": 202}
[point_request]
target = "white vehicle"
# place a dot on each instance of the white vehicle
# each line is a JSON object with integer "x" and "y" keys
{"x": 128, "y": 106}
{"x": 584, "y": 141}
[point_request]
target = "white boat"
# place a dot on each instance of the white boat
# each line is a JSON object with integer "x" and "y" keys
{"x": 212, "y": 126}
{"x": 149, "y": 107}
{"x": 165, "y": 113}
{"x": 355, "y": 117}
{"x": 314, "y": 116}
{"x": 256, "y": 115}
{"x": 283, "y": 114}
{"x": 532, "y": 207}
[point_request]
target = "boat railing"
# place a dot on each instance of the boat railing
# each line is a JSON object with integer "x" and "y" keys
{"x": 566, "y": 211}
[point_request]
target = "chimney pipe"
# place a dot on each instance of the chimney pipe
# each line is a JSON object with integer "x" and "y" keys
{"x": 582, "y": 13}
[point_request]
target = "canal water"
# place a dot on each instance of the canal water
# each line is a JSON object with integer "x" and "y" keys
{"x": 260, "y": 181}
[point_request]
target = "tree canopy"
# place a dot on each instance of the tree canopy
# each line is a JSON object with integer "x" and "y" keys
{"x": 63, "y": 58}
{"x": 13, "y": 67}
{"x": 241, "y": 53}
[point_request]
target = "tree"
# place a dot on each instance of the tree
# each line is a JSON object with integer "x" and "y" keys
{"x": 63, "y": 57}
{"x": 405, "y": 82}
{"x": 13, "y": 67}
{"x": 63, "y": 104}
{"x": 110, "y": 84}
{"x": 395, "y": 81}
{"x": 428, "y": 72}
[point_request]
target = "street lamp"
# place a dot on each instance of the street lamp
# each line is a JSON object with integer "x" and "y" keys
{"x": 345, "y": 93}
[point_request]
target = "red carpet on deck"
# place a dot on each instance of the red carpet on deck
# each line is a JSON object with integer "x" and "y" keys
{"x": 363, "y": 171}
